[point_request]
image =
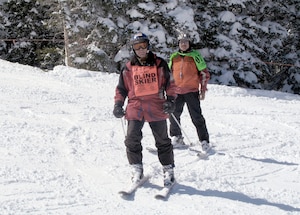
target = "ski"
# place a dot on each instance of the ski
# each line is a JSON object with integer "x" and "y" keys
{"x": 202, "y": 154}
{"x": 151, "y": 150}
{"x": 154, "y": 150}
{"x": 164, "y": 192}
{"x": 133, "y": 187}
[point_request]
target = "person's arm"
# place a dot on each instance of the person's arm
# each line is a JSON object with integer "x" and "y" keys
{"x": 204, "y": 78}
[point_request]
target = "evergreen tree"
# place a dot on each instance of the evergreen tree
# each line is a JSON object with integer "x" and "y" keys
{"x": 89, "y": 35}
{"x": 244, "y": 38}
{"x": 283, "y": 43}
{"x": 28, "y": 39}
{"x": 253, "y": 44}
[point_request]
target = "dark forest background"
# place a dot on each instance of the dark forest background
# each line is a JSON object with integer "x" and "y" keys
{"x": 252, "y": 44}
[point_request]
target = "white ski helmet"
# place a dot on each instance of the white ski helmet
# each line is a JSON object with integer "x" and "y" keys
{"x": 184, "y": 36}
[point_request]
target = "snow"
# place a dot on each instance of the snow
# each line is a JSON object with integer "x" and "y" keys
{"x": 134, "y": 13}
{"x": 227, "y": 16}
{"x": 62, "y": 150}
{"x": 108, "y": 23}
{"x": 150, "y": 6}
{"x": 184, "y": 16}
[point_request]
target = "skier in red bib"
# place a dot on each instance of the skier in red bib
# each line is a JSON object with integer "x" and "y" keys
{"x": 147, "y": 83}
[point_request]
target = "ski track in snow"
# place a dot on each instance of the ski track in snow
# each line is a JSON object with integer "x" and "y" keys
{"x": 62, "y": 150}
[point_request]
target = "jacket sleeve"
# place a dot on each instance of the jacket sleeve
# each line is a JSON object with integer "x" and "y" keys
{"x": 204, "y": 78}
{"x": 121, "y": 92}
{"x": 171, "y": 90}
{"x": 170, "y": 86}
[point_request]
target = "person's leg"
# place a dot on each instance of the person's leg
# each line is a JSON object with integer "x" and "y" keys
{"x": 133, "y": 141}
{"x": 195, "y": 112}
{"x": 164, "y": 149}
{"x": 134, "y": 149}
{"x": 162, "y": 142}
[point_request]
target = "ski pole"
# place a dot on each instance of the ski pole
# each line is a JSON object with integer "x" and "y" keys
{"x": 181, "y": 128}
{"x": 122, "y": 122}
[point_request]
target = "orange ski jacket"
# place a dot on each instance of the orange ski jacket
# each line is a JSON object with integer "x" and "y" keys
{"x": 189, "y": 71}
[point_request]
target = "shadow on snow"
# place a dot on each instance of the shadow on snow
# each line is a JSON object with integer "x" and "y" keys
{"x": 183, "y": 189}
{"x": 269, "y": 160}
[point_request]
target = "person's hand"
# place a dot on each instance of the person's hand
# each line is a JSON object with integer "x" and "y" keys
{"x": 169, "y": 105}
{"x": 118, "y": 111}
{"x": 202, "y": 95}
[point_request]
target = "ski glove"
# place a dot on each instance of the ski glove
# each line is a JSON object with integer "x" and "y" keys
{"x": 118, "y": 111}
{"x": 169, "y": 105}
{"x": 202, "y": 95}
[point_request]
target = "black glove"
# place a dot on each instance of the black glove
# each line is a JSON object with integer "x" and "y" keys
{"x": 169, "y": 105}
{"x": 118, "y": 110}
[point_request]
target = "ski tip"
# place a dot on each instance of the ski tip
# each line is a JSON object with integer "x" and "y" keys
{"x": 124, "y": 193}
{"x": 202, "y": 156}
{"x": 160, "y": 197}
{"x": 131, "y": 190}
{"x": 152, "y": 150}
{"x": 165, "y": 192}
{"x": 126, "y": 196}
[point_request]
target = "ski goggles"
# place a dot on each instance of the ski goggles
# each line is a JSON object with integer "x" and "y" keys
{"x": 139, "y": 46}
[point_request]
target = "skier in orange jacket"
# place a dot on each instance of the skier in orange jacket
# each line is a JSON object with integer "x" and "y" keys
{"x": 191, "y": 77}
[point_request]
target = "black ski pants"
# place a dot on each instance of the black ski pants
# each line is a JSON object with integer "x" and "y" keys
{"x": 193, "y": 105}
{"x": 162, "y": 142}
